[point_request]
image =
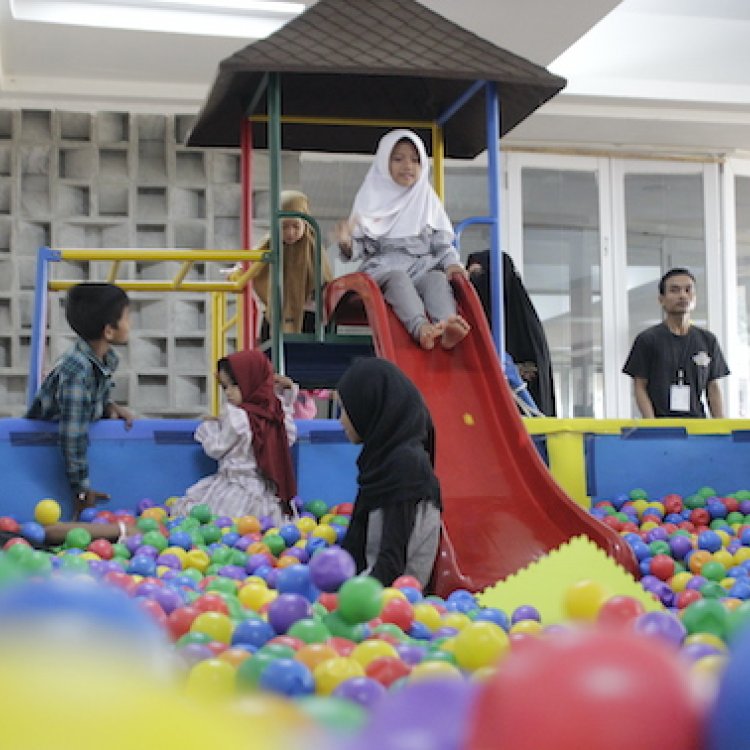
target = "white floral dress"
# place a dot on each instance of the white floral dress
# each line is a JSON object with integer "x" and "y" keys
{"x": 238, "y": 488}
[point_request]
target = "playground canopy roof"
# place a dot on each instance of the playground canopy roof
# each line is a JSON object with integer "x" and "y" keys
{"x": 372, "y": 60}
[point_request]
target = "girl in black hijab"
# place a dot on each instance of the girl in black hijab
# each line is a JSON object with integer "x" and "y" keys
{"x": 395, "y": 526}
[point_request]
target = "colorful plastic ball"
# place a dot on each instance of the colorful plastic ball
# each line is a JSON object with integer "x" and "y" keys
{"x": 318, "y": 508}
{"x": 662, "y": 625}
{"x": 706, "y": 616}
{"x": 525, "y": 612}
{"x": 34, "y": 532}
{"x": 330, "y": 568}
{"x": 370, "y": 650}
{"x": 398, "y": 611}
{"x": 331, "y": 673}
{"x": 365, "y": 691}
{"x": 480, "y": 644}
{"x": 211, "y": 679}
{"x": 215, "y": 624}
{"x": 309, "y": 630}
{"x": 563, "y": 694}
{"x": 287, "y": 609}
{"x": 619, "y": 611}
{"x": 255, "y": 632}
{"x": 287, "y": 677}
{"x": 436, "y": 667}
{"x": 583, "y": 600}
{"x": 312, "y": 654}
{"x": 47, "y": 511}
{"x": 360, "y": 599}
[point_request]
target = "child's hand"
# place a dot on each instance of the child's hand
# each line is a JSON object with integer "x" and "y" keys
{"x": 475, "y": 269}
{"x": 115, "y": 411}
{"x": 456, "y": 270}
{"x": 343, "y": 235}
{"x": 283, "y": 381}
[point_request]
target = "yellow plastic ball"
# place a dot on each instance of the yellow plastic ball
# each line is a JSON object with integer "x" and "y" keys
{"x": 306, "y": 524}
{"x": 705, "y": 639}
{"x": 679, "y": 581}
{"x": 435, "y": 670}
{"x": 197, "y": 559}
{"x": 649, "y": 525}
{"x": 390, "y": 593}
{"x": 480, "y": 644}
{"x": 253, "y": 596}
{"x": 332, "y": 672}
{"x": 640, "y": 506}
{"x": 326, "y": 518}
{"x": 211, "y": 679}
{"x": 214, "y": 624}
{"x": 457, "y": 620}
{"x": 47, "y": 511}
{"x": 584, "y": 599}
{"x": 324, "y": 531}
{"x": 529, "y": 627}
{"x": 724, "y": 536}
{"x": 428, "y": 616}
{"x": 155, "y": 514}
{"x": 367, "y": 651}
{"x": 89, "y": 556}
{"x": 742, "y": 554}
{"x": 725, "y": 557}
{"x": 727, "y": 583}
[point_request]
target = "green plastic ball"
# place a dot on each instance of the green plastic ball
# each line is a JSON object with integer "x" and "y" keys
{"x": 360, "y": 599}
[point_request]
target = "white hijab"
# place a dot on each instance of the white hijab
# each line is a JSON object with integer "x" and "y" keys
{"x": 383, "y": 208}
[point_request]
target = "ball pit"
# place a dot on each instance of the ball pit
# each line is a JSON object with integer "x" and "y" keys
{"x": 244, "y": 611}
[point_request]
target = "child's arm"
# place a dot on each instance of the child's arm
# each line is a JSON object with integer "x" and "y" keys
{"x": 287, "y": 391}
{"x": 116, "y": 411}
{"x": 218, "y": 437}
{"x": 398, "y": 523}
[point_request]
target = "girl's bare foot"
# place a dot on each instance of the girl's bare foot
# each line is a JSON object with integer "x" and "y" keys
{"x": 428, "y": 334}
{"x": 455, "y": 329}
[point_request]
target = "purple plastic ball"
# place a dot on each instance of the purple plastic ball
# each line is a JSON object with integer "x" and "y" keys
{"x": 287, "y": 609}
{"x": 662, "y": 625}
{"x": 143, "y": 504}
{"x": 232, "y": 571}
{"x": 330, "y": 568}
{"x": 525, "y": 612}
{"x": 362, "y": 690}
{"x": 410, "y": 653}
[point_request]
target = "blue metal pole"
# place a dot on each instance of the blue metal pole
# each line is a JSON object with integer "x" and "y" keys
{"x": 492, "y": 107}
{"x": 39, "y": 323}
{"x": 446, "y": 115}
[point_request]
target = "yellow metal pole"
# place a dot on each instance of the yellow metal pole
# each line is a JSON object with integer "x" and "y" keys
{"x": 113, "y": 271}
{"x": 182, "y": 273}
{"x": 438, "y": 160}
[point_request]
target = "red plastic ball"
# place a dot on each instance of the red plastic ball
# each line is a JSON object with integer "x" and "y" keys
{"x": 387, "y": 669}
{"x": 155, "y": 610}
{"x": 407, "y": 582}
{"x": 619, "y": 611}
{"x": 180, "y": 620}
{"x": 399, "y": 612}
{"x": 566, "y": 693}
{"x": 102, "y": 548}
{"x": 211, "y": 603}
{"x": 662, "y": 566}
{"x": 328, "y": 600}
{"x": 9, "y": 525}
{"x": 687, "y": 597}
{"x": 14, "y": 541}
{"x": 700, "y": 517}
{"x": 342, "y": 646}
{"x": 672, "y": 503}
{"x": 288, "y": 640}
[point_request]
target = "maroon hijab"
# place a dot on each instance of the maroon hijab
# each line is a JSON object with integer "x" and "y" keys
{"x": 253, "y": 373}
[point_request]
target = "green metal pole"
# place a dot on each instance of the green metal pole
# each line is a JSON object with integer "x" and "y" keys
{"x": 277, "y": 252}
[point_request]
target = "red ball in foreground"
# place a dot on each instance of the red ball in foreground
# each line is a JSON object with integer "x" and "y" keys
{"x": 587, "y": 690}
{"x": 619, "y": 611}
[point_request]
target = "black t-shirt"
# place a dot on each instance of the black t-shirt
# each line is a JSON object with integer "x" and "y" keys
{"x": 658, "y": 355}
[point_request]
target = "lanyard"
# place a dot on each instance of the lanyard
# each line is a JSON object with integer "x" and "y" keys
{"x": 679, "y": 355}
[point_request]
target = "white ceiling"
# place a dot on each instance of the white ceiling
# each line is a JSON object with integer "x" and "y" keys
{"x": 669, "y": 74}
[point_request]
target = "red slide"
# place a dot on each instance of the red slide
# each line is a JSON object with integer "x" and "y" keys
{"x": 502, "y": 508}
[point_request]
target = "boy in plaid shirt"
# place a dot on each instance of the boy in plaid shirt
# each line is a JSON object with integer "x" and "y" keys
{"x": 77, "y": 390}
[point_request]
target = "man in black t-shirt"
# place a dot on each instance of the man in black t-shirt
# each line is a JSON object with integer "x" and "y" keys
{"x": 675, "y": 363}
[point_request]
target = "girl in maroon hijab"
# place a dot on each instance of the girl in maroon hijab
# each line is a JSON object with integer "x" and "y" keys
{"x": 250, "y": 440}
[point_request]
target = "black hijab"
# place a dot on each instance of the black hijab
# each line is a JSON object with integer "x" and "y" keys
{"x": 398, "y": 438}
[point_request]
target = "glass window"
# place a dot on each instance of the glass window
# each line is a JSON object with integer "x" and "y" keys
{"x": 562, "y": 273}
{"x": 665, "y": 229}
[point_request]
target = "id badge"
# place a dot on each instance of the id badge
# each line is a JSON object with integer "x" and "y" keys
{"x": 679, "y": 398}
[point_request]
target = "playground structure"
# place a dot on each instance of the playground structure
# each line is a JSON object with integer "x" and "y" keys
{"x": 503, "y": 509}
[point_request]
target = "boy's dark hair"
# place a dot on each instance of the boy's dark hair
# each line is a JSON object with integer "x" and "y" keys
{"x": 669, "y": 274}
{"x": 223, "y": 365}
{"x": 91, "y": 306}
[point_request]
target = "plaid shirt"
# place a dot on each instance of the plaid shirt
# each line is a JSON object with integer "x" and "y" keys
{"x": 75, "y": 393}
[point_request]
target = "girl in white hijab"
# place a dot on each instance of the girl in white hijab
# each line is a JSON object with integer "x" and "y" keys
{"x": 399, "y": 227}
